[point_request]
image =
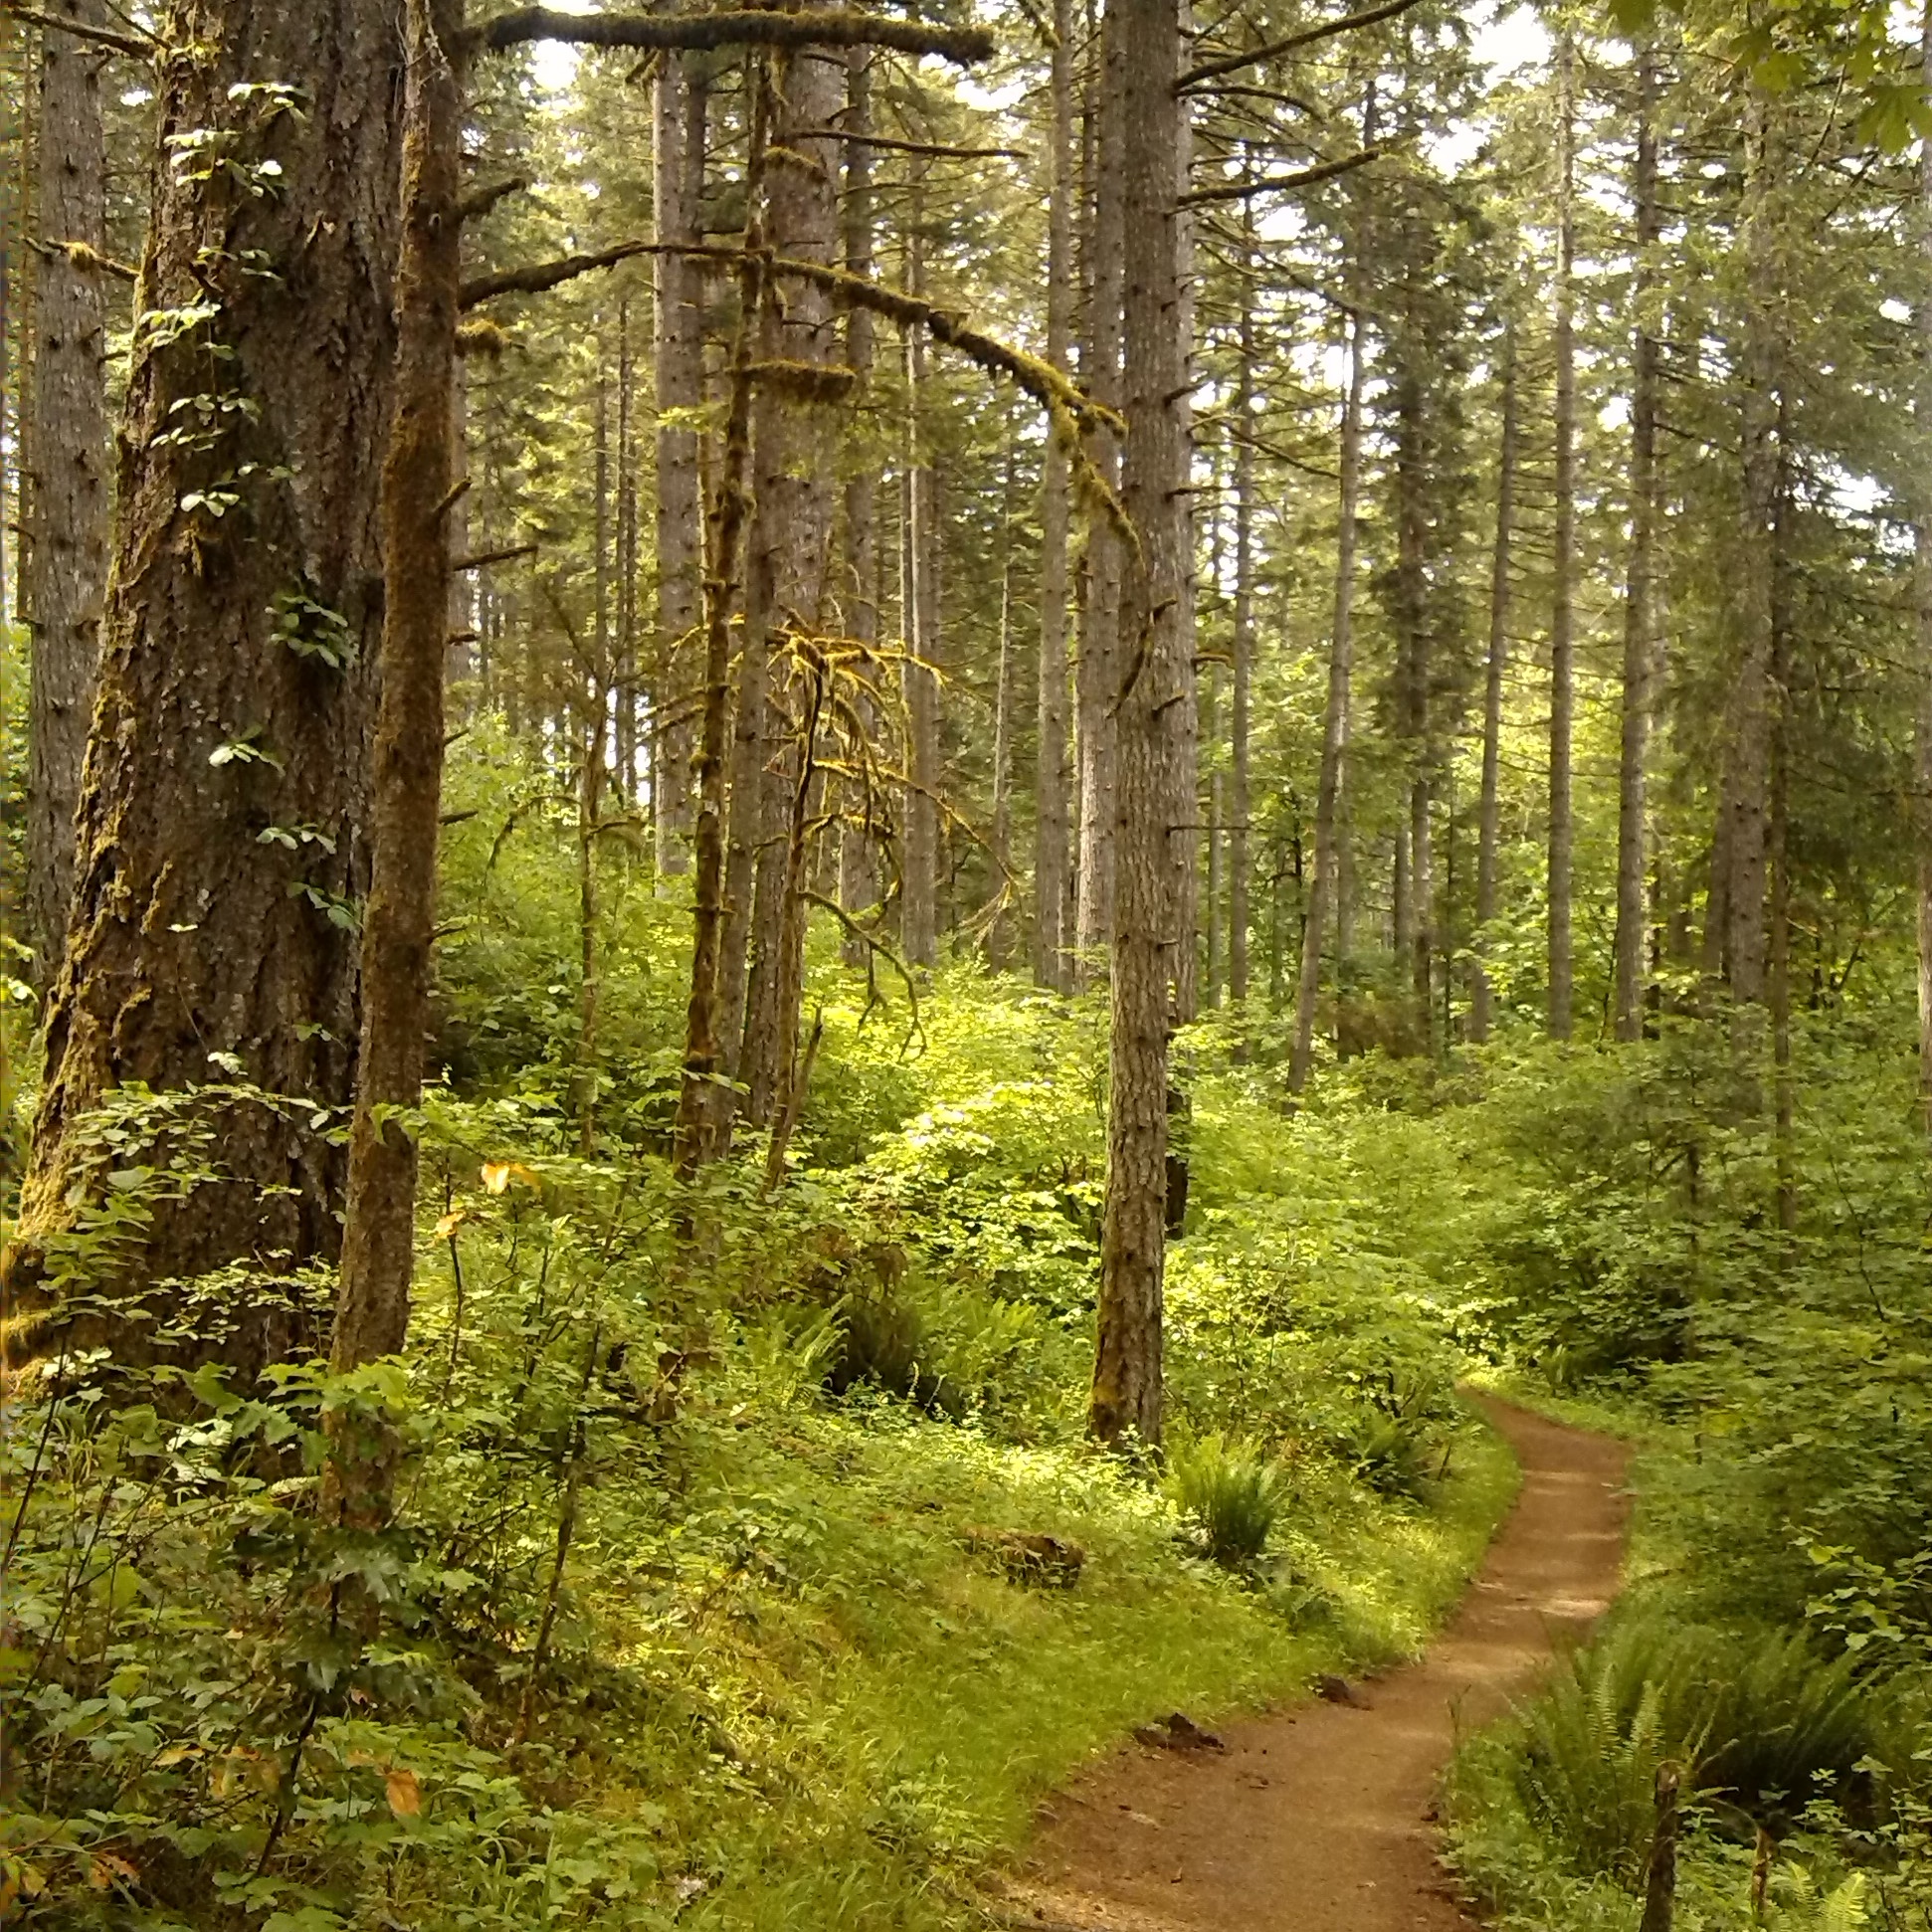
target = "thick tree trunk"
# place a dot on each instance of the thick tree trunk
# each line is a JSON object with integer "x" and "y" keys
{"x": 1052, "y": 905}
{"x": 1126, "y": 1398}
{"x": 678, "y": 322}
{"x": 1496, "y": 669}
{"x": 1638, "y": 615}
{"x": 1243, "y": 642}
{"x": 1334, "y": 736}
{"x": 1098, "y": 674}
{"x": 220, "y": 854}
{"x": 1562, "y": 617}
{"x": 399, "y": 926}
{"x": 785, "y": 585}
{"x": 68, "y": 452}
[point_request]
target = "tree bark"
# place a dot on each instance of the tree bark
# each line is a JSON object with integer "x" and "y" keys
{"x": 785, "y": 580}
{"x": 1922, "y": 740}
{"x": 1098, "y": 673}
{"x": 1639, "y": 622}
{"x": 918, "y": 902}
{"x": 1158, "y": 669}
{"x": 399, "y": 925}
{"x": 1496, "y": 668}
{"x": 68, "y": 452}
{"x": 1562, "y": 618}
{"x": 1052, "y": 908}
{"x": 678, "y": 122}
{"x": 861, "y": 828}
{"x": 1748, "y": 739}
{"x": 219, "y": 839}
{"x": 999, "y": 929}
{"x": 1238, "y": 729}
{"x": 1341, "y": 651}
{"x": 695, "y": 1136}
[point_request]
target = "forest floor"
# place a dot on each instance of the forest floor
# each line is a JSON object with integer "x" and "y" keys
{"x": 1323, "y": 1816}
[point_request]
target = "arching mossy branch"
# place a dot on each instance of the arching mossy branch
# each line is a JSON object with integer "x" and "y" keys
{"x": 539, "y": 277}
{"x": 963, "y": 46}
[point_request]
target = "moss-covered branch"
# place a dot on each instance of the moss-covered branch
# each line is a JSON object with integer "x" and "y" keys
{"x": 963, "y": 46}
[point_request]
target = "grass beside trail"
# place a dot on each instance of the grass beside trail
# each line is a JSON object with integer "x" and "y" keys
{"x": 884, "y": 1708}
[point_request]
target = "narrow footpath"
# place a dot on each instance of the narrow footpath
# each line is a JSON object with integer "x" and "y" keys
{"x": 1320, "y": 1819}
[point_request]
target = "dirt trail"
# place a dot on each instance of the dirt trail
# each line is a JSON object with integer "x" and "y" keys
{"x": 1318, "y": 1819}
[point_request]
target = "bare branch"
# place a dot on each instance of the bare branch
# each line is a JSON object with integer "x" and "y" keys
{"x": 1275, "y": 49}
{"x": 80, "y": 255}
{"x": 935, "y": 149}
{"x": 1281, "y": 183}
{"x": 836, "y": 28}
{"x": 484, "y": 559}
{"x": 133, "y": 46}
{"x": 480, "y": 201}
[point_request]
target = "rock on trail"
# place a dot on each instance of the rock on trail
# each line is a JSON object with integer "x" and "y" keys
{"x": 1320, "y": 1819}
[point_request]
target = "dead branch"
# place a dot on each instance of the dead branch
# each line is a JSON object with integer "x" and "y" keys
{"x": 1281, "y": 183}
{"x": 480, "y": 201}
{"x": 1292, "y": 43}
{"x": 135, "y": 46}
{"x": 82, "y": 254}
{"x": 935, "y": 149}
{"x": 484, "y": 558}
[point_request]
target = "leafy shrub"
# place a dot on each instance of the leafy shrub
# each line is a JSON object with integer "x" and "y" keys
{"x": 1232, "y": 1494}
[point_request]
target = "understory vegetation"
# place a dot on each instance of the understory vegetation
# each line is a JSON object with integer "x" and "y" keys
{"x": 750, "y": 1564}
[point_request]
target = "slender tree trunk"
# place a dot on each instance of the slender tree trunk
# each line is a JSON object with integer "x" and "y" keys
{"x": 1561, "y": 619}
{"x": 399, "y": 926}
{"x": 1640, "y": 648}
{"x": 1334, "y": 736}
{"x": 68, "y": 452}
{"x": 999, "y": 931}
{"x": 1749, "y": 743}
{"x": 1414, "y": 891}
{"x": 1922, "y": 746}
{"x": 1052, "y": 843}
{"x": 1489, "y": 811}
{"x": 678, "y": 125}
{"x": 1126, "y": 1398}
{"x": 695, "y": 1139}
{"x": 1243, "y": 642}
{"x": 859, "y": 833}
{"x": 1778, "y": 963}
{"x": 1097, "y": 675}
{"x": 1184, "y": 807}
{"x": 219, "y": 839}
{"x": 918, "y": 908}
{"x": 625, "y": 664}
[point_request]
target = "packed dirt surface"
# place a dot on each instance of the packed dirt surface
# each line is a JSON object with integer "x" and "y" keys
{"x": 1320, "y": 1819}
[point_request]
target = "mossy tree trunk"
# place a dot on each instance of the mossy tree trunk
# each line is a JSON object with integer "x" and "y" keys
{"x": 210, "y": 952}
